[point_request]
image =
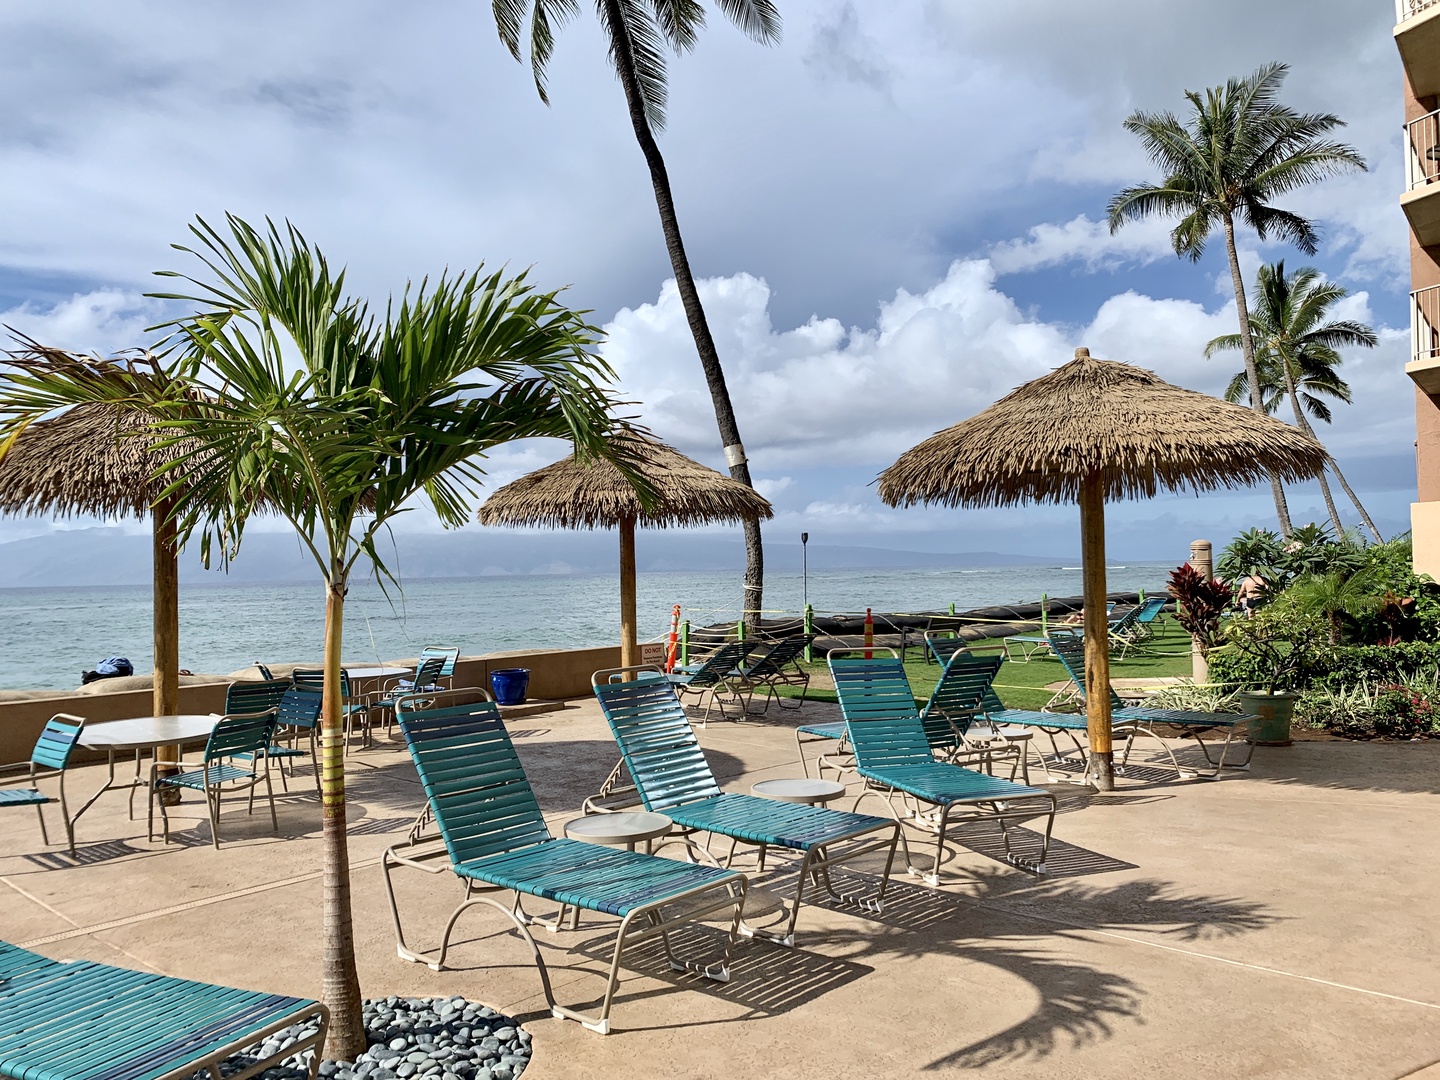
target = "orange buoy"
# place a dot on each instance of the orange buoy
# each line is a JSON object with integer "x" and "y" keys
{"x": 869, "y": 634}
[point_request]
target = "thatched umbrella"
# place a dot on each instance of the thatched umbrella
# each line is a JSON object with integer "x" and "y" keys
{"x": 1093, "y": 430}
{"x": 100, "y": 459}
{"x": 572, "y": 494}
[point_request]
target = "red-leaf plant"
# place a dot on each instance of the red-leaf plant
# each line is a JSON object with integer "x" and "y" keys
{"x": 1201, "y": 602}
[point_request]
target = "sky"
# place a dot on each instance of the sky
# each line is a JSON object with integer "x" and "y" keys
{"x": 897, "y": 213}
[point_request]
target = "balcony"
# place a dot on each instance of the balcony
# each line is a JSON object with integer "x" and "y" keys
{"x": 1417, "y": 34}
{"x": 1421, "y": 200}
{"x": 1424, "y": 366}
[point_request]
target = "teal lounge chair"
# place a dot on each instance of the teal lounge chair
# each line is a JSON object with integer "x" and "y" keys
{"x": 940, "y": 645}
{"x": 894, "y": 756}
{"x": 719, "y": 677}
{"x": 1140, "y": 720}
{"x": 235, "y": 759}
{"x": 778, "y": 665}
{"x": 950, "y": 713}
{"x": 494, "y": 838}
{"x": 88, "y": 1021}
{"x": 49, "y": 759}
{"x": 976, "y": 693}
{"x": 1148, "y": 618}
{"x": 669, "y": 769}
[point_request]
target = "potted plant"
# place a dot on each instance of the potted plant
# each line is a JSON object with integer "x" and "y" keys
{"x": 1280, "y": 640}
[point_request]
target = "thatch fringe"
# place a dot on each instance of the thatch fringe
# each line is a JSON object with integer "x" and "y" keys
{"x": 572, "y": 494}
{"x": 90, "y": 459}
{"x": 1139, "y": 432}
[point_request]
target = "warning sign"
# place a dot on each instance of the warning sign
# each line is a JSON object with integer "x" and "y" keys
{"x": 653, "y": 652}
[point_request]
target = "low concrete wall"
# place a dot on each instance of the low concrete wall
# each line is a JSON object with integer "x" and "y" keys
{"x": 554, "y": 673}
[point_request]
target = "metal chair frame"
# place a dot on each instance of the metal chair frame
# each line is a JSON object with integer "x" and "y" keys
{"x": 49, "y": 758}
{"x": 904, "y": 764}
{"x": 497, "y": 780}
{"x": 674, "y": 778}
{"x": 243, "y": 737}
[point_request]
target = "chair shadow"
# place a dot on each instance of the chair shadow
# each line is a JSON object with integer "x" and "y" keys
{"x": 765, "y": 978}
{"x": 85, "y": 855}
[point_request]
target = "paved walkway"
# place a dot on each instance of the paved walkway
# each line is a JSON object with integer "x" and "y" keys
{"x": 1276, "y": 923}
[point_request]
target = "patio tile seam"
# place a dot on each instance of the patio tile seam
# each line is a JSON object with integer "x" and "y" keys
{"x": 1195, "y": 953}
{"x": 174, "y": 909}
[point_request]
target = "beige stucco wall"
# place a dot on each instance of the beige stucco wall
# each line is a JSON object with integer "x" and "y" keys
{"x": 554, "y": 673}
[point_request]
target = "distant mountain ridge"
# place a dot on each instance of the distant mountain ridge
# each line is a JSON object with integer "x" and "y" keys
{"x": 111, "y": 556}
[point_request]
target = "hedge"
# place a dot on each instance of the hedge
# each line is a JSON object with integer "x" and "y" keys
{"x": 1333, "y": 667}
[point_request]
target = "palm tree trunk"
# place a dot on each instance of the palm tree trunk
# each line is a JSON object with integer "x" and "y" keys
{"x": 1324, "y": 487}
{"x": 1247, "y": 347}
{"x": 1356, "y": 500}
{"x": 1304, "y": 425}
{"x": 340, "y": 981}
{"x": 690, "y": 298}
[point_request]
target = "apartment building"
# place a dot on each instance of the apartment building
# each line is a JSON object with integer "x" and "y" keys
{"x": 1417, "y": 35}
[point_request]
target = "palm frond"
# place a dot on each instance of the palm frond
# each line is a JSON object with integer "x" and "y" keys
{"x": 759, "y": 20}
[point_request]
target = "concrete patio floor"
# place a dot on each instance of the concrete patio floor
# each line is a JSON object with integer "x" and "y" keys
{"x": 1274, "y": 923}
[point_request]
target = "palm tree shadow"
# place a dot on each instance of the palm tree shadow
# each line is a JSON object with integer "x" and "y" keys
{"x": 1079, "y": 1004}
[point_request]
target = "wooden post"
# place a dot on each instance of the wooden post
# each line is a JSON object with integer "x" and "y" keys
{"x": 1097, "y": 632}
{"x": 629, "y": 645}
{"x": 165, "y": 627}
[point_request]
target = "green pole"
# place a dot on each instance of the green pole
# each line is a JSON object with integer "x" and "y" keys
{"x": 809, "y": 629}
{"x": 1044, "y": 614}
{"x": 952, "y": 632}
{"x": 685, "y": 642}
{"x": 740, "y": 628}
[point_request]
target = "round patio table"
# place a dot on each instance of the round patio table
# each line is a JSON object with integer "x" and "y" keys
{"x": 141, "y": 734}
{"x": 368, "y": 674}
{"x": 627, "y": 828}
{"x": 381, "y": 672}
{"x": 805, "y": 792}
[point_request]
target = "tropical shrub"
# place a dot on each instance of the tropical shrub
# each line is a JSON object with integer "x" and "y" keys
{"x": 1280, "y": 640}
{"x": 1189, "y": 696}
{"x": 1388, "y": 710}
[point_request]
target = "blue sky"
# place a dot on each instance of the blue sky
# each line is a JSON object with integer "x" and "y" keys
{"x": 897, "y": 211}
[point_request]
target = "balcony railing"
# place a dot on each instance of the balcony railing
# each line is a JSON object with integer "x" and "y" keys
{"x": 1425, "y": 323}
{"x": 1422, "y": 145}
{"x": 1408, "y": 9}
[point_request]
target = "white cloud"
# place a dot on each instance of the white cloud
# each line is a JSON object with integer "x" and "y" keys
{"x": 822, "y": 395}
{"x": 105, "y": 321}
{"x": 1085, "y": 241}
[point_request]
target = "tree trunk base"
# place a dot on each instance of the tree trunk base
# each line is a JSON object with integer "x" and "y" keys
{"x": 1102, "y": 770}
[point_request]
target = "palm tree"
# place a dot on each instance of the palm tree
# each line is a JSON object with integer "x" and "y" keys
{"x": 297, "y": 398}
{"x": 1238, "y": 151}
{"x": 638, "y": 34}
{"x": 1296, "y": 354}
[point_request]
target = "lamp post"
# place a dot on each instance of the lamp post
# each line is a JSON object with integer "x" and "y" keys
{"x": 804, "y": 570}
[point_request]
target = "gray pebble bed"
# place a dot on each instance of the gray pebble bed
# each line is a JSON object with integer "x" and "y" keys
{"x": 410, "y": 1039}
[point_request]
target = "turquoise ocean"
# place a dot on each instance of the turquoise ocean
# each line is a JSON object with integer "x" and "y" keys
{"x": 48, "y": 636}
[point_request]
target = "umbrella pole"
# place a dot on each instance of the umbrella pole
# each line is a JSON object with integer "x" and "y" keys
{"x": 629, "y": 647}
{"x": 166, "y": 627}
{"x": 1097, "y": 632}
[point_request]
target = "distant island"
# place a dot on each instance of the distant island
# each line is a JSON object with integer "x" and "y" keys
{"x": 113, "y": 556}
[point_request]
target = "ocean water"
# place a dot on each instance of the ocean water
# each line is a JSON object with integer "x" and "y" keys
{"x": 48, "y": 636}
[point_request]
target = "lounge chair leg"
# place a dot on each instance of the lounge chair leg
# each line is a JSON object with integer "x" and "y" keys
{"x": 213, "y": 802}
{"x": 270, "y": 795}
{"x": 44, "y": 836}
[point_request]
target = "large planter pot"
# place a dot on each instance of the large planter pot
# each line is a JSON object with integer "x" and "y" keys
{"x": 1274, "y": 712}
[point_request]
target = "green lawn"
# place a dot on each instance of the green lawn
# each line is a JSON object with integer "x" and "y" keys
{"x": 1022, "y": 686}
